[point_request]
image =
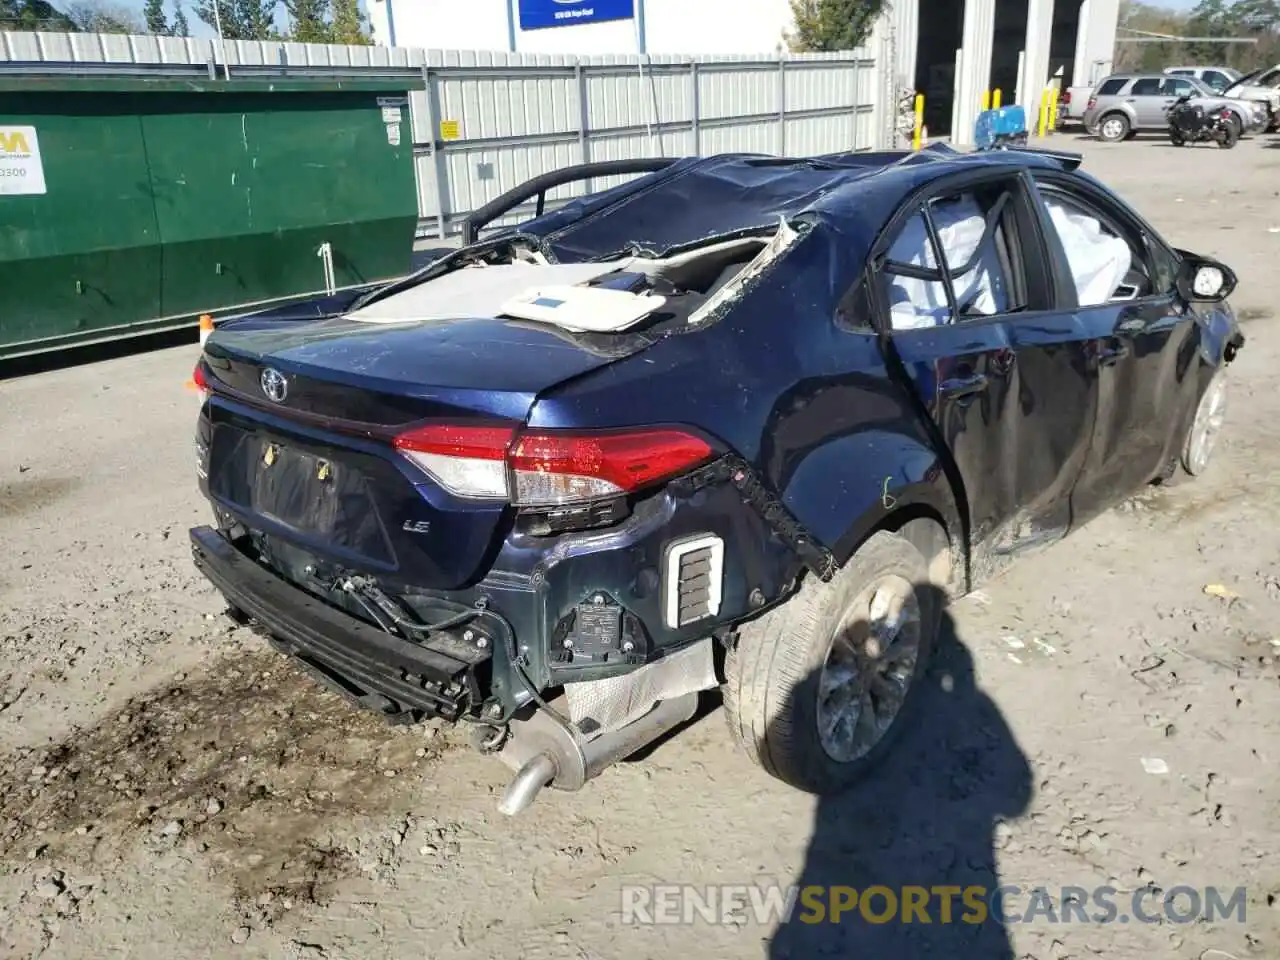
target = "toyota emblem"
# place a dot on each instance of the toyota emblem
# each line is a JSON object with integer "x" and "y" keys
{"x": 274, "y": 385}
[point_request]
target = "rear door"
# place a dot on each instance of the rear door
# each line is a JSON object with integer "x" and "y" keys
{"x": 1143, "y": 340}
{"x": 1147, "y": 98}
{"x": 1001, "y": 375}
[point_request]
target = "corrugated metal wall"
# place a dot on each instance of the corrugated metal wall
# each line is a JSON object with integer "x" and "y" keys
{"x": 905, "y": 20}
{"x": 485, "y": 122}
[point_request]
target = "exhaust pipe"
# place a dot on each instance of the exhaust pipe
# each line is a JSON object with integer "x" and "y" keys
{"x": 546, "y": 754}
{"x": 528, "y": 783}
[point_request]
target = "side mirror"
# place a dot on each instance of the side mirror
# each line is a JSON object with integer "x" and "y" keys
{"x": 1201, "y": 280}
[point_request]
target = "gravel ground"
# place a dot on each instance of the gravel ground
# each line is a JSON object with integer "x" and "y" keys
{"x": 1108, "y": 717}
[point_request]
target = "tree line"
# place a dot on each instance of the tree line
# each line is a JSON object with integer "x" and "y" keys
{"x": 1257, "y": 20}
{"x": 307, "y": 21}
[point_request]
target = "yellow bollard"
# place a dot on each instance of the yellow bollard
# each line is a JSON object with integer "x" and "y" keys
{"x": 1053, "y": 108}
{"x": 1044, "y": 113}
{"x": 919, "y": 124}
{"x": 986, "y": 100}
{"x": 995, "y": 99}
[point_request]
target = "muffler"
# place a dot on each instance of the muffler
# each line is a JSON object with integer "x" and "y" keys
{"x": 545, "y": 752}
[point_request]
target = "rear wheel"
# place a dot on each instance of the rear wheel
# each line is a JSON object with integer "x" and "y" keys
{"x": 1230, "y": 135}
{"x": 1114, "y": 127}
{"x": 818, "y": 689}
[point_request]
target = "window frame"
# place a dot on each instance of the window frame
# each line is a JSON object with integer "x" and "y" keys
{"x": 1118, "y": 215}
{"x": 1032, "y": 252}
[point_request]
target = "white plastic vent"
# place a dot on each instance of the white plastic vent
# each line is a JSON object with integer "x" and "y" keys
{"x": 694, "y": 579}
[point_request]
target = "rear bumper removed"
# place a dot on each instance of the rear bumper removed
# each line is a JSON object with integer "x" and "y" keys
{"x": 370, "y": 667}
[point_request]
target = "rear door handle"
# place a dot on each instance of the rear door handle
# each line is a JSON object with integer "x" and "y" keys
{"x": 967, "y": 386}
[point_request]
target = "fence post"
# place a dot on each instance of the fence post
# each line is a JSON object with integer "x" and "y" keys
{"x": 696, "y": 100}
{"x": 437, "y": 159}
{"x": 857, "y": 76}
{"x": 888, "y": 96}
{"x": 782, "y": 106}
{"x": 580, "y": 78}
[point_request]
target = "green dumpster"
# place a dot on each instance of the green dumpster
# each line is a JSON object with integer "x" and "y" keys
{"x": 131, "y": 205}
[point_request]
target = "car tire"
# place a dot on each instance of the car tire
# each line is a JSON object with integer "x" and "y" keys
{"x": 791, "y": 669}
{"x": 1206, "y": 427}
{"x": 1230, "y": 137}
{"x": 1114, "y": 127}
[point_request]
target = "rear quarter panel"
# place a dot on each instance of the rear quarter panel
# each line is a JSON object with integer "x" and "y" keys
{"x": 807, "y": 403}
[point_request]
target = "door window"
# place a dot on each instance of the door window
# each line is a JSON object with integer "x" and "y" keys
{"x": 1146, "y": 87}
{"x": 1108, "y": 259}
{"x": 956, "y": 260}
{"x": 1178, "y": 88}
{"x": 1219, "y": 81}
{"x": 1111, "y": 87}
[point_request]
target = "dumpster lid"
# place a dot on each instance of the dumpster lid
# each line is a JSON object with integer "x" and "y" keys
{"x": 45, "y": 77}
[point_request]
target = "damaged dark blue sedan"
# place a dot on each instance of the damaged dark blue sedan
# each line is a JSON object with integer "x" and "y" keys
{"x": 740, "y": 422}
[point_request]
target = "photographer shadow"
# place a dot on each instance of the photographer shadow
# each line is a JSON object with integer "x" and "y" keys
{"x": 925, "y": 817}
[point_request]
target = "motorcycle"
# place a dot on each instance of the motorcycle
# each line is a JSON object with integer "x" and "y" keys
{"x": 1192, "y": 123}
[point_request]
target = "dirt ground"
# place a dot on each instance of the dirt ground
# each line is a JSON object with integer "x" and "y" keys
{"x": 170, "y": 788}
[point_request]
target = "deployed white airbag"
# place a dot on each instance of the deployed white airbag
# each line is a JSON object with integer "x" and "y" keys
{"x": 1099, "y": 262}
{"x": 475, "y": 291}
{"x": 582, "y": 309}
{"x": 923, "y": 303}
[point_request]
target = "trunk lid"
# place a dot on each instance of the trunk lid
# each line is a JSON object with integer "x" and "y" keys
{"x": 302, "y": 414}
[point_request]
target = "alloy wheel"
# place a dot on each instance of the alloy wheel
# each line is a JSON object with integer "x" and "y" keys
{"x": 1207, "y": 426}
{"x": 869, "y": 668}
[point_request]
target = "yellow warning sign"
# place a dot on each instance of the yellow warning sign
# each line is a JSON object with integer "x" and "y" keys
{"x": 450, "y": 130}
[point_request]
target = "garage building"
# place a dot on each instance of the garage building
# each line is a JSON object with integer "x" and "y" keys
{"x": 970, "y": 46}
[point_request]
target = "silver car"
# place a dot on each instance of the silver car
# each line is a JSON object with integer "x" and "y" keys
{"x": 1129, "y": 103}
{"x": 1217, "y": 79}
{"x": 1261, "y": 85}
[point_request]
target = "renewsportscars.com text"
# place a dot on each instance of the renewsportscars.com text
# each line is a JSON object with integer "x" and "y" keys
{"x": 738, "y": 904}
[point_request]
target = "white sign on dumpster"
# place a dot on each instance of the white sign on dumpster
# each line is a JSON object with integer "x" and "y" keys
{"x": 21, "y": 172}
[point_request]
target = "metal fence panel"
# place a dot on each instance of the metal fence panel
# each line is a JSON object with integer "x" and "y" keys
{"x": 486, "y": 121}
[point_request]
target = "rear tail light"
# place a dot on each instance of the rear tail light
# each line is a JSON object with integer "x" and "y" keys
{"x": 1066, "y": 97}
{"x": 548, "y": 468}
{"x": 200, "y": 382}
{"x": 1093, "y": 102}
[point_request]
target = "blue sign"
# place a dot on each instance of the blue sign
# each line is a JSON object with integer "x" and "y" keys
{"x": 539, "y": 14}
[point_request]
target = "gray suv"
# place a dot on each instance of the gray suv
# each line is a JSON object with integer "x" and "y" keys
{"x": 1125, "y": 104}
